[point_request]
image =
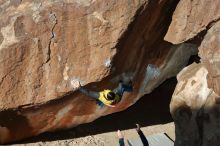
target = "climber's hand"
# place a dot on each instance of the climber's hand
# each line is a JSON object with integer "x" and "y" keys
{"x": 76, "y": 84}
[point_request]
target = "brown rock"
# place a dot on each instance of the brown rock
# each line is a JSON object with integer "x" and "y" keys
{"x": 46, "y": 45}
{"x": 192, "y": 17}
{"x": 52, "y": 43}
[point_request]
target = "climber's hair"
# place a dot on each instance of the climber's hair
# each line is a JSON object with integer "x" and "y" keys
{"x": 111, "y": 96}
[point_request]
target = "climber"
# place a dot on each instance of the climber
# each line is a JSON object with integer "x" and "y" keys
{"x": 107, "y": 97}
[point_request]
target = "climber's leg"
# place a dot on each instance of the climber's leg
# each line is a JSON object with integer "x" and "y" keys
{"x": 123, "y": 88}
{"x": 100, "y": 104}
{"x": 89, "y": 93}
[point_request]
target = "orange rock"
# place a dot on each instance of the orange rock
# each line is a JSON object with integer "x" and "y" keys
{"x": 46, "y": 45}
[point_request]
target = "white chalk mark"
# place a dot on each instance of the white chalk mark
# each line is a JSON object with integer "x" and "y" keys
{"x": 99, "y": 16}
{"x": 65, "y": 72}
{"x": 8, "y": 33}
{"x": 108, "y": 62}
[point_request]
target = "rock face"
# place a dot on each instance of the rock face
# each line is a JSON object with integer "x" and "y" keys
{"x": 189, "y": 97}
{"x": 192, "y": 17}
{"x": 195, "y": 109}
{"x": 209, "y": 51}
{"x": 195, "y": 102}
{"x": 46, "y": 45}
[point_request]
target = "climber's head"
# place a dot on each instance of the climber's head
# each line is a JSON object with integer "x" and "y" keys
{"x": 111, "y": 95}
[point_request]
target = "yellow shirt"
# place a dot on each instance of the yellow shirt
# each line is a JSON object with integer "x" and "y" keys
{"x": 103, "y": 99}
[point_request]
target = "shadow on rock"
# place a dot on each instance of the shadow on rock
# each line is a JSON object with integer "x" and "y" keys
{"x": 149, "y": 110}
{"x": 13, "y": 125}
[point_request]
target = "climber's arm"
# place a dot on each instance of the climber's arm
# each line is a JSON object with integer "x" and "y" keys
{"x": 123, "y": 88}
{"x": 76, "y": 84}
{"x": 89, "y": 93}
{"x": 119, "y": 89}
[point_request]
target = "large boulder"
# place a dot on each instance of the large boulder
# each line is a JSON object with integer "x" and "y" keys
{"x": 46, "y": 45}
{"x": 192, "y": 17}
{"x": 195, "y": 103}
{"x": 195, "y": 109}
{"x": 209, "y": 51}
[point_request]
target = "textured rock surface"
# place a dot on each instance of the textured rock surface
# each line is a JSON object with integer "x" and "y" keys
{"x": 192, "y": 17}
{"x": 195, "y": 102}
{"x": 45, "y": 45}
{"x": 176, "y": 59}
{"x": 210, "y": 56}
{"x": 195, "y": 109}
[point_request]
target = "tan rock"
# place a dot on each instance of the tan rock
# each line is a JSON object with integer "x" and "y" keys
{"x": 46, "y": 45}
{"x": 195, "y": 102}
{"x": 209, "y": 51}
{"x": 195, "y": 109}
{"x": 192, "y": 17}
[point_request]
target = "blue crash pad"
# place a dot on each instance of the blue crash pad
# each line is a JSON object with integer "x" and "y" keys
{"x": 160, "y": 139}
